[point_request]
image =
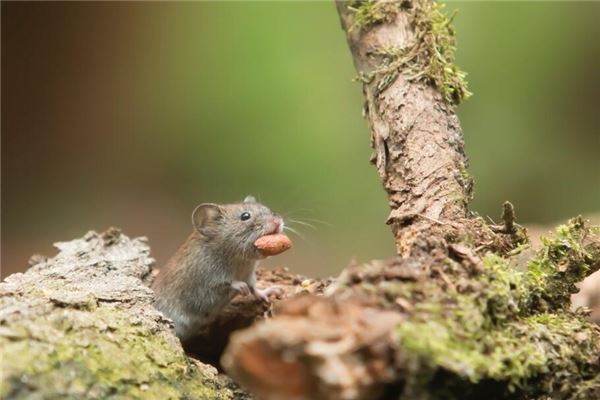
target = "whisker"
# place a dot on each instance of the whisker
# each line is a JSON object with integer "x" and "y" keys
{"x": 302, "y": 219}
{"x": 318, "y": 221}
{"x": 299, "y": 210}
{"x": 302, "y": 223}
{"x": 287, "y": 216}
{"x": 285, "y": 227}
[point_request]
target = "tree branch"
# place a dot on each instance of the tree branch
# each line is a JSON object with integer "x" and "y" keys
{"x": 417, "y": 141}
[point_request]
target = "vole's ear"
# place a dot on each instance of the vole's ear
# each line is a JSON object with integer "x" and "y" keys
{"x": 249, "y": 199}
{"x": 204, "y": 214}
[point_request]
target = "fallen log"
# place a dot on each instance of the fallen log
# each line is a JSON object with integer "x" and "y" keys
{"x": 82, "y": 325}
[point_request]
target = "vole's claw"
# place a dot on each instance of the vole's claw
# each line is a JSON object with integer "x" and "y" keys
{"x": 263, "y": 294}
{"x": 241, "y": 287}
{"x": 262, "y": 297}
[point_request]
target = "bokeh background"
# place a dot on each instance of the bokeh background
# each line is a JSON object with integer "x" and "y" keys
{"x": 129, "y": 114}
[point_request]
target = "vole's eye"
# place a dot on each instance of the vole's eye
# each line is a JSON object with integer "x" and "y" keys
{"x": 245, "y": 216}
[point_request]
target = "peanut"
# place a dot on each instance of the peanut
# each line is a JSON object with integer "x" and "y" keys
{"x": 271, "y": 245}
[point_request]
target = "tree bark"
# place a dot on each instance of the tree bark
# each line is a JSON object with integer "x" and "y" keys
{"x": 417, "y": 142}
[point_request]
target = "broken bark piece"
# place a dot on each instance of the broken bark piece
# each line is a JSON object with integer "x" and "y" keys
{"x": 320, "y": 351}
{"x": 271, "y": 245}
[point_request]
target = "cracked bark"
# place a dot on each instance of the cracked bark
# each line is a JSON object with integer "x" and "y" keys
{"x": 417, "y": 141}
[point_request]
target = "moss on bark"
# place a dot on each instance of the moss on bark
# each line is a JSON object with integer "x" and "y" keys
{"x": 82, "y": 325}
{"x": 429, "y": 57}
{"x": 493, "y": 323}
{"x": 441, "y": 326}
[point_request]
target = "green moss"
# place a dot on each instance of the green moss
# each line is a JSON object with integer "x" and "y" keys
{"x": 463, "y": 339}
{"x": 429, "y": 57}
{"x": 100, "y": 358}
{"x": 564, "y": 260}
{"x": 497, "y": 328}
{"x": 371, "y": 12}
{"x": 434, "y": 51}
{"x": 467, "y": 182}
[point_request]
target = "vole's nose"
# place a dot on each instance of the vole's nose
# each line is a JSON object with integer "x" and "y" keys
{"x": 278, "y": 225}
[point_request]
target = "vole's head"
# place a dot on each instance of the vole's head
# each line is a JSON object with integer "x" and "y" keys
{"x": 233, "y": 228}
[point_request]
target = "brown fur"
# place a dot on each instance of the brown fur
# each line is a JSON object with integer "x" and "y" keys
{"x": 215, "y": 262}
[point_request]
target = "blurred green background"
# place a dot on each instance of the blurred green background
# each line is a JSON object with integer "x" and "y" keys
{"x": 129, "y": 114}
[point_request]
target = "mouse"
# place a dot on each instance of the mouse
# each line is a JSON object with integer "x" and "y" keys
{"x": 216, "y": 262}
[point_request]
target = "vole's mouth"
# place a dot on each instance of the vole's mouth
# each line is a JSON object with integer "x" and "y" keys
{"x": 276, "y": 227}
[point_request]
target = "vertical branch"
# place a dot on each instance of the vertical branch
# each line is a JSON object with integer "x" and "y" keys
{"x": 403, "y": 53}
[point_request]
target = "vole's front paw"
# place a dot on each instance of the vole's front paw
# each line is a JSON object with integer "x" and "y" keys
{"x": 263, "y": 294}
{"x": 241, "y": 287}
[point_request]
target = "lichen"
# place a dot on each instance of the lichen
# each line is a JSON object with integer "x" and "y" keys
{"x": 100, "y": 356}
{"x": 429, "y": 57}
{"x": 82, "y": 325}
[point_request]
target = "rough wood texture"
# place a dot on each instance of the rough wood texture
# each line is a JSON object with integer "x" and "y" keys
{"x": 82, "y": 325}
{"x": 315, "y": 348}
{"x": 417, "y": 141}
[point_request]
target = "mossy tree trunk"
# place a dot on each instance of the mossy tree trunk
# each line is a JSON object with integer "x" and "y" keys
{"x": 467, "y": 310}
